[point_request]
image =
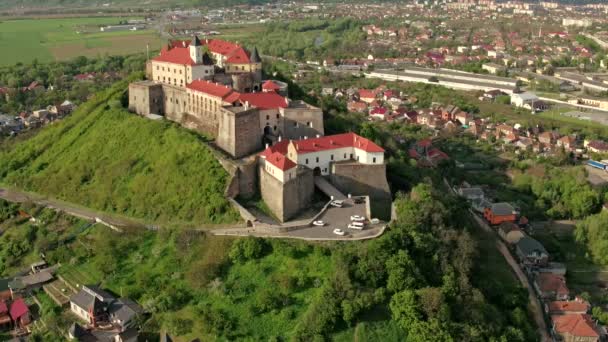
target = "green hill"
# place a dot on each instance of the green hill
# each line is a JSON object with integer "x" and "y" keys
{"x": 105, "y": 158}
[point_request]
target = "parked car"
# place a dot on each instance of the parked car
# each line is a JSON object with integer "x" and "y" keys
{"x": 356, "y": 225}
{"x": 374, "y": 221}
{"x": 339, "y": 231}
{"x": 357, "y": 218}
{"x": 318, "y": 223}
{"x": 337, "y": 203}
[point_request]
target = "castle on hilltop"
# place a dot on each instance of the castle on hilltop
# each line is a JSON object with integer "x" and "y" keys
{"x": 215, "y": 87}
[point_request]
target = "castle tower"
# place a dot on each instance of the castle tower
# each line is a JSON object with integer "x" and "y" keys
{"x": 196, "y": 53}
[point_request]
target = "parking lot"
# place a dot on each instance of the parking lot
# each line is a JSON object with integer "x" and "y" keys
{"x": 339, "y": 218}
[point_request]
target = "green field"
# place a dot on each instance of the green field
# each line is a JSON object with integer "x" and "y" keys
{"x": 61, "y": 39}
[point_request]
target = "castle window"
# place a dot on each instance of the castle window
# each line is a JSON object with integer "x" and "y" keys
{"x": 374, "y": 160}
{"x": 180, "y": 72}
{"x": 277, "y": 116}
{"x": 295, "y": 124}
{"x": 275, "y": 128}
{"x": 344, "y": 155}
{"x": 332, "y": 157}
{"x": 267, "y": 117}
{"x": 309, "y": 124}
{"x": 157, "y": 67}
{"x": 306, "y": 161}
{"x": 317, "y": 159}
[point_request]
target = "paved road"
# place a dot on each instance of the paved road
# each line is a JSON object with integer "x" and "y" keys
{"x": 328, "y": 189}
{"x": 85, "y": 213}
{"x": 535, "y": 304}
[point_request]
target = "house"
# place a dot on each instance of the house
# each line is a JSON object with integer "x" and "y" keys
{"x": 568, "y": 142}
{"x": 531, "y": 252}
{"x": 463, "y": 117}
{"x": 472, "y": 193}
{"x": 91, "y": 304}
{"x": 596, "y": 146}
{"x": 5, "y": 318}
{"x": 575, "y": 328}
{"x": 20, "y": 313}
{"x": 551, "y": 286}
{"x": 510, "y": 232}
{"x": 498, "y": 213}
{"x": 379, "y": 113}
{"x": 95, "y": 305}
{"x": 527, "y": 100}
{"x": 367, "y": 96}
{"x": 30, "y": 282}
{"x": 357, "y": 106}
{"x": 567, "y": 307}
{"x": 548, "y": 138}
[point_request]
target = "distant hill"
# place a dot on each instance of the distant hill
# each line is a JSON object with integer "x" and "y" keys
{"x": 105, "y": 158}
{"x": 69, "y": 4}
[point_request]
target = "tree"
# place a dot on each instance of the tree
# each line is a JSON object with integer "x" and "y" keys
{"x": 402, "y": 272}
{"x": 246, "y": 249}
{"x": 405, "y": 309}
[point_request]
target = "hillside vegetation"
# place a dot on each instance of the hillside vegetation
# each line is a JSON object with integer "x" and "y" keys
{"x": 105, "y": 158}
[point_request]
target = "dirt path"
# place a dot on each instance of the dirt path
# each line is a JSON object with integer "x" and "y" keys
{"x": 535, "y": 305}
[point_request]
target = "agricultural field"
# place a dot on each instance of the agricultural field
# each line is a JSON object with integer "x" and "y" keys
{"x": 61, "y": 39}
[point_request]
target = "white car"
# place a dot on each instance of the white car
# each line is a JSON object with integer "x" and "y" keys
{"x": 374, "y": 221}
{"x": 339, "y": 231}
{"x": 357, "y": 218}
{"x": 337, "y": 203}
{"x": 318, "y": 223}
{"x": 356, "y": 226}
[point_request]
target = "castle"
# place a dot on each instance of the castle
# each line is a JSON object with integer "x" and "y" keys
{"x": 216, "y": 87}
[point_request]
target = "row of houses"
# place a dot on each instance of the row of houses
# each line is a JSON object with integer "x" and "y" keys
{"x": 569, "y": 314}
{"x": 10, "y": 125}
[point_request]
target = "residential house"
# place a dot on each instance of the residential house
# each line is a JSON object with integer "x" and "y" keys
{"x": 510, "y": 232}
{"x": 551, "y": 286}
{"x": 5, "y": 318}
{"x": 356, "y": 106}
{"x": 575, "y": 328}
{"x": 463, "y": 117}
{"x": 473, "y": 193}
{"x": 20, "y": 313}
{"x": 367, "y": 96}
{"x": 498, "y": 213}
{"x": 94, "y": 305}
{"x": 596, "y": 146}
{"x": 531, "y": 252}
{"x": 548, "y": 138}
{"x": 568, "y": 142}
{"x": 567, "y": 307}
{"x": 379, "y": 113}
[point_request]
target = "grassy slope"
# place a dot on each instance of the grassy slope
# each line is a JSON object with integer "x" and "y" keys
{"x": 106, "y": 158}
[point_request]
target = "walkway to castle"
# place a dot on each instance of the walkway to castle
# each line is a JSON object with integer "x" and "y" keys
{"x": 328, "y": 189}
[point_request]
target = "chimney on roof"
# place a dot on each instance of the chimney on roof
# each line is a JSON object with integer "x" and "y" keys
{"x": 305, "y": 137}
{"x": 267, "y": 145}
{"x": 318, "y": 135}
{"x": 280, "y": 138}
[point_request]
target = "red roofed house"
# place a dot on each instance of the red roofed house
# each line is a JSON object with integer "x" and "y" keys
{"x": 270, "y": 86}
{"x": 379, "y": 113}
{"x": 597, "y": 146}
{"x": 577, "y": 306}
{"x": 575, "y": 328}
{"x": 20, "y": 314}
{"x": 367, "y": 96}
{"x": 551, "y": 286}
{"x": 357, "y": 106}
{"x": 5, "y": 319}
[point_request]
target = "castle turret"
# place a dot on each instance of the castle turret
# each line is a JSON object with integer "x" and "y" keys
{"x": 196, "y": 53}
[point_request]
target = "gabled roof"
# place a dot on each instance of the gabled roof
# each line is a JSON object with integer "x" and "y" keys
{"x": 580, "y": 325}
{"x": 213, "y": 89}
{"x": 368, "y": 94}
{"x": 280, "y": 161}
{"x": 18, "y": 309}
{"x": 332, "y": 142}
{"x": 270, "y": 85}
{"x": 238, "y": 56}
{"x": 221, "y": 47}
{"x": 175, "y": 55}
{"x": 568, "y": 306}
{"x": 529, "y": 245}
{"x": 549, "y": 282}
{"x": 280, "y": 147}
{"x": 270, "y": 100}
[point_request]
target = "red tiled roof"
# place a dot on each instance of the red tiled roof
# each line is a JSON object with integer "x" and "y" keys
{"x": 378, "y": 111}
{"x": 573, "y": 305}
{"x": 213, "y": 89}
{"x": 175, "y": 55}
{"x": 238, "y": 56}
{"x": 221, "y": 46}
{"x": 575, "y": 324}
{"x": 280, "y": 161}
{"x": 552, "y": 282}
{"x": 336, "y": 141}
{"x": 18, "y": 309}
{"x": 269, "y": 85}
{"x": 280, "y": 147}
{"x": 598, "y": 145}
{"x": 264, "y": 100}
{"x": 367, "y": 94}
